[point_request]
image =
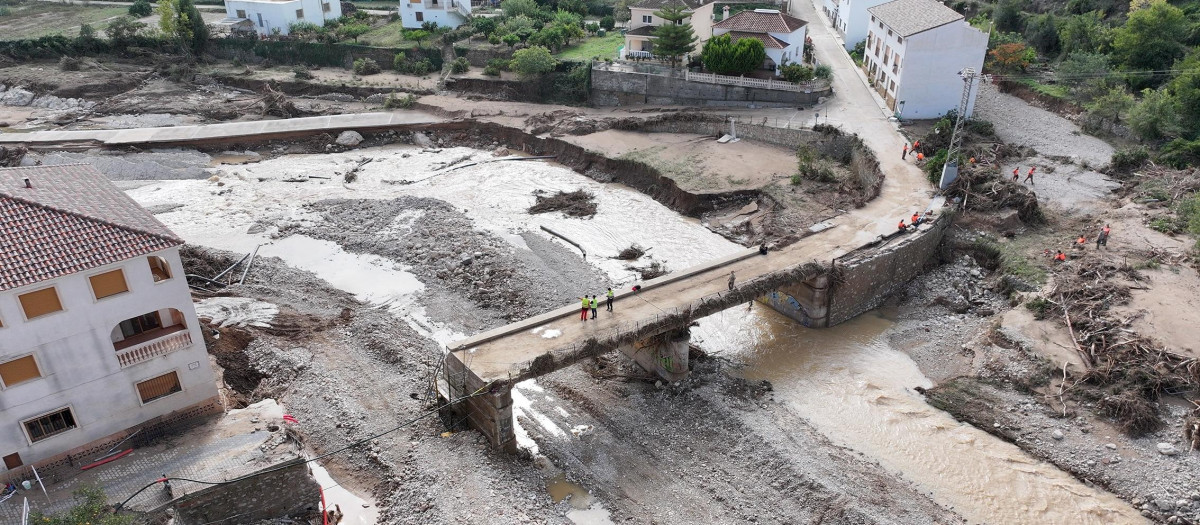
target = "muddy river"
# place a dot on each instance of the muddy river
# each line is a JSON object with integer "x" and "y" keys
{"x": 857, "y": 390}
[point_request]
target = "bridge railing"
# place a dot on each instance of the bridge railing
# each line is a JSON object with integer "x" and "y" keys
{"x": 668, "y": 319}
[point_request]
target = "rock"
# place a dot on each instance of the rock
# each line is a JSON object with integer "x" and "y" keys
{"x": 1110, "y": 446}
{"x": 1164, "y": 505}
{"x": 349, "y": 138}
{"x": 1057, "y": 435}
{"x": 1182, "y": 504}
{"x": 422, "y": 140}
{"x": 501, "y": 152}
{"x": 1167, "y": 449}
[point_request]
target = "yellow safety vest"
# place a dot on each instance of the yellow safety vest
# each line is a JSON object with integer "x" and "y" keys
{"x": 610, "y": 294}
{"x": 586, "y": 302}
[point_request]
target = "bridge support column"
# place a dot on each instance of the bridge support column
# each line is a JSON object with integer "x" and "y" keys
{"x": 665, "y": 354}
{"x": 807, "y": 303}
{"x": 490, "y": 412}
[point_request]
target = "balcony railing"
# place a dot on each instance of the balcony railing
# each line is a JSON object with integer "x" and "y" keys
{"x": 154, "y": 348}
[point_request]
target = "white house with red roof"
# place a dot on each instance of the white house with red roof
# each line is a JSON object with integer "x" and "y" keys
{"x": 98, "y": 336}
{"x": 639, "y": 38}
{"x": 782, "y": 35}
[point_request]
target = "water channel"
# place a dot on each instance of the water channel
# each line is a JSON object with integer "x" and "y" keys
{"x": 857, "y": 390}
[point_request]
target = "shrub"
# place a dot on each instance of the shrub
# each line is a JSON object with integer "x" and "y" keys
{"x": 302, "y": 73}
{"x": 533, "y": 61}
{"x": 140, "y": 9}
{"x": 1180, "y": 153}
{"x": 422, "y": 67}
{"x": 460, "y": 65}
{"x": 1039, "y": 306}
{"x": 400, "y": 62}
{"x": 393, "y": 102}
{"x": 365, "y": 66}
{"x": 494, "y": 40}
{"x": 491, "y": 71}
{"x": 510, "y": 40}
{"x": 5, "y": 11}
{"x": 723, "y": 56}
{"x": 67, "y": 63}
{"x": 608, "y": 23}
{"x": 824, "y": 72}
{"x": 796, "y": 73}
{"x": 1129, "y": 159}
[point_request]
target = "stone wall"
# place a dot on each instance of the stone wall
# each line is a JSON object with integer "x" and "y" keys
{"x": 621, "y": 88}
{"x": 290, "y": 491}
{"x": 864, "y": 278}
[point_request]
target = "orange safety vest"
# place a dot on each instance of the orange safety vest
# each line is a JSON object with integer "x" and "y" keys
{"x": 1060, "y": 257}
{"x": 1106, "y": 230}
{"x": 901, "y": 226}
{"x": 915, "y": 218}
{"x": 1082, "y": 240}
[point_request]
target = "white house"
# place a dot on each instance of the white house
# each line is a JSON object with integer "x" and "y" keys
{"x": 639, "y": 39}
{"x": 269, "y": 16}
{"x": 445, "y": 13}
{"x": 851, "y": 19}
{"x": 98, "y": 335}
{"x": 915, "y": 51}
{"x": 782, "y": 35}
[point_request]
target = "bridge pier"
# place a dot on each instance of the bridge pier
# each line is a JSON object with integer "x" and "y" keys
{"x": 806, "y": 302}
{"x": 665, "y": 354}
{"x": 489, "y": 412}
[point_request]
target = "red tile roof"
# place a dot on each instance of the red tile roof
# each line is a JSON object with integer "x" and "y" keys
{"x": 768, "y": 41}
{"x": 761, "y": 21}
{"x": 71, "y": 220}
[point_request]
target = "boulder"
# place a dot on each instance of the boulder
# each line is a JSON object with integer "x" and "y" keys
{"x": 349, "y": 138}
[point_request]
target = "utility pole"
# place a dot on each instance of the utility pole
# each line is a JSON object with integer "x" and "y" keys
{"x": 950, "y": 168}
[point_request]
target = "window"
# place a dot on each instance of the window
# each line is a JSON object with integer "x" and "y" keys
{"x": 895, "y": 68}
{"x": 892, "y": 86}
{"x": 12, "y": 461}
{"x": 159, "y": 387}
{"x": 325, "y": 7}
{"x": 19, "y": 370}
{"x": 299, "y": 14}
{"x": 41, "y": 302}
{"x": 899, "y": 40}
{"x": 647, "y": 19}
{"x": 139, "y": 324}
{"x": 241, "y": 13}
{"x": 420, "y": 16}
{"x": 57, "y": 422}
{"x": 108, "y": 284}
{"x": 881, "y": 25}
{"x": 159, "y": 268}
{"x": 260, "y": 24}
{"x": 889, "y": 32}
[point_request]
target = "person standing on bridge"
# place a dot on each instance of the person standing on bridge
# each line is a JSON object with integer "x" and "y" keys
{"x": 732, "y": 278}
{"x": 609, "y": 298}
{"x": 595, "y": 305}
{"x": 586, "y": 306}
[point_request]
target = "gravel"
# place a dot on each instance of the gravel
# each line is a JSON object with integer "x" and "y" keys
{"x": 1018, "y": 122}
{"x": 158, "y": 164}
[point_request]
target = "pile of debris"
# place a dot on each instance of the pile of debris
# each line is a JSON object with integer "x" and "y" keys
{"x": 984, "y": 189}
{"x": 1127, "y": 371}
{"x": 577, "y": 203}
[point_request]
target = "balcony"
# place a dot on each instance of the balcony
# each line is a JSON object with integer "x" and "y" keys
{"x": 150, "y": 344}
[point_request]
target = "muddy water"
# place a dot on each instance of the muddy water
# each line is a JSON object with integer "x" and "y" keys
{"x": 858, "y": 391}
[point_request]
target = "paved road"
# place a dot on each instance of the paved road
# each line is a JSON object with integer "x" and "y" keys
{"x": 855, "y": 108}
{"x": 226, "y": 130}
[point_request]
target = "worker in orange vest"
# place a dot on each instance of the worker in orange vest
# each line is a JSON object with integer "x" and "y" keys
{"x": 916, "y": 219}
{"x": 902, "y": 226}
{"x": 904, "y": 154}
{"x": 920, "y": 157}
{"x": 1102, "y": 239}
{"x": 1016, "y": 173}
{"x": 972, "y": 161}
{"x": 1081, "y": 241}
{"x": 1060, "y": 256}
{"x": 1029, "y": 176}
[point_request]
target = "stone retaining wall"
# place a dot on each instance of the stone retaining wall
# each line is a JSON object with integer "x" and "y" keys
{"x": 290, "y": 491}
{"x": 621, "y": 88}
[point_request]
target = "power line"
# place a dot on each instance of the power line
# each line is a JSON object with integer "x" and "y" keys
{"x": 424, "y": 415}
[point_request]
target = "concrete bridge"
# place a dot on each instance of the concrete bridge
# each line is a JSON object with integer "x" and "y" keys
{"x": 815, "y": 281}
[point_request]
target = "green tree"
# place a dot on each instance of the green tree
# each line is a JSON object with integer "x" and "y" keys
{"x": 578, "y": 7}
{"x": 510, "y": 40}
{"x": 1152, "y": 37}
{"x": 515, "y": 8}
{"x": 179, "y": 19}
{"x": 722, "y": 56}
{"x": 1084, "y": 33}
{"x": 549, "y": 37}
{"x": 796, "y": 73}
{"x": 91, "y": 508}
{"x": 140, "y": 9}
{"x": 1185, "y": 88}
{"x": 674, "y": 39}
{"x": 1085, "y": 73}
{"x": 532, "y": 62}
{"x": 354, "y": 31}
{"x": 608, "y": 23}
{"x": 1041, "y": 31}
{"x": 521, "y": 26}
{"x": 1112, "y": 105}
{"x": 1007, "y": 15}
{"x": 122, "y": 30}
{"x": 483, "y": 25}
{"x": 1156, "y": 116}
{"x": 416, "y": 35}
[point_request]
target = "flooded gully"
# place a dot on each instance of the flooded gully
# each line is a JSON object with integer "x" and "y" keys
{"x": 858, "y": 391}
